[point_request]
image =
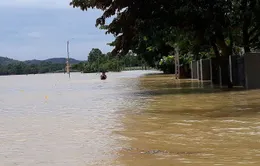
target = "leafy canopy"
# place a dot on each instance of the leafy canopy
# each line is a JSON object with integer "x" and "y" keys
{"x": 153, "y": 27}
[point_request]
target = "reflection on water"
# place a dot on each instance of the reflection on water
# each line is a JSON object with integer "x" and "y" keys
{"x": 183, "y": 124}
{"x": 125, "y": 120}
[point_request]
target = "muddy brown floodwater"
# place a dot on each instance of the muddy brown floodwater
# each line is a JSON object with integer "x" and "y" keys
{"x": 182, "y": 123}
{"x": 127, "y": 120}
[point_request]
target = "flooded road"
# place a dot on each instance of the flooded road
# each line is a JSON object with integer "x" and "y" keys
{"x": 129, "y": 119}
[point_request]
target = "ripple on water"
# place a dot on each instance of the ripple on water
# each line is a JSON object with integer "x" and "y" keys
{"x": 73, "y": 125}
{"x": 87, "y": 122}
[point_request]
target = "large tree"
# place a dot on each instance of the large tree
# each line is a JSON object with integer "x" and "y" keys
{"x": 222, "y": 23}
{"x": 95, "y": 55}
{"x": 154, "y": 28}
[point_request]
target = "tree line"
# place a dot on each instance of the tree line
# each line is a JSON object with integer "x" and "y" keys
{"x": 98, "y": 61}
{"x": 199, "y": 29}
{"x": 19, "y": 68}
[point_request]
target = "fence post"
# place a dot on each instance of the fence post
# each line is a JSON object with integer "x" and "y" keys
{"x": 210, "y": 67}
{"x": 201, "y": 71}
{"x": 230, "y": 69}
{"x": 198, "y": 77}
{"x": 191, "y": 69}
{"x": 177, "y": 64}
{"x": 211, "y": 71}
{"x": 220, "y": 77}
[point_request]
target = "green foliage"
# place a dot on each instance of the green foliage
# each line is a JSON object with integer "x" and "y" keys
{"x": 95, "y": 55}
{"x": 167, "y": 64}
{"x": 186, "y": 59}
{"x": 19, "y": 68}
{"x": 7, "y": 61}
{"x": 97, "y": 62}
{"x": 155, "y": 28}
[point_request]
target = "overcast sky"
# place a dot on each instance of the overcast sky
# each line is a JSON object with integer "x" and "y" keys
{"x": 39, "y": 29}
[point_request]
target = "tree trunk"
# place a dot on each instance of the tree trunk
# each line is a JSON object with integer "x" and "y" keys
{"x": 247, "y": 8}
{"x": 246, "y": 34}
{"x": 226, "y": 51}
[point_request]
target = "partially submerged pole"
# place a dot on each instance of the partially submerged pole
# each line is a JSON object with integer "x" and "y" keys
{"x": 201, "y": 70}
{"x": 198, "y": 72}
{"x": 210, "y": 70}
{"x": 230, "y": 69}
{"x": 220, "y": 77}
{"x": 191, "y": 68}
{"x": 68, "y": 63}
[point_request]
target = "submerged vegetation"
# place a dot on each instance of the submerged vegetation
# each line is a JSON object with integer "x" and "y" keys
{"x": 167, "y": 65}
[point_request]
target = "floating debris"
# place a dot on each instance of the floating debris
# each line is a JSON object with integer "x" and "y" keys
{"x": 157, "y": 151}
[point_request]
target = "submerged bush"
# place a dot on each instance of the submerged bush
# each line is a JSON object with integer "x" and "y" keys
{"x": 167, "y": 64}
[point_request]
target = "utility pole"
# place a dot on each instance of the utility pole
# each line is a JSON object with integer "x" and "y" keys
{"x": 117, "y": 63}
{"x": 98, "y": 65}
{"x": 68, "y": 63}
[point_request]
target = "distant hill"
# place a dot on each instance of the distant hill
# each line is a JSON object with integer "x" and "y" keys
{"x": 34, "y": 61}
{"x": 53, "y": 60}
{"x": 62, "y": 60}
{"x": 7, "y": 61}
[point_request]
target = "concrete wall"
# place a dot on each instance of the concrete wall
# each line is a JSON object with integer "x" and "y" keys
{"x": 206, "y": 69}
{"x": 201, "y": 69}
{"x": 238, "y": 71}
{"x": 215, "y": 71}
{"x": 252, "y": 69}
{"x": 194, "y": 70}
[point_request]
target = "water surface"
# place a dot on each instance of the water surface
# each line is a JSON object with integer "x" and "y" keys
{"x": 52, "y": 120}
{"x": 129, "y": 119}
{"x": 185, "y": 122}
